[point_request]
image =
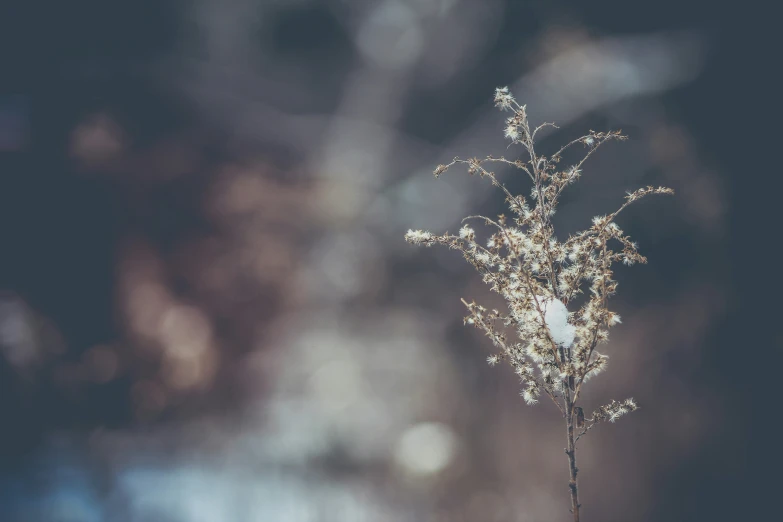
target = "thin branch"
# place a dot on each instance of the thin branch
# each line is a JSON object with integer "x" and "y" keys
{"x": 509, "y": 354}
{"x": 587, "y": 428}
{"x": 545, "y": 124}
{"x": 518, "y": 164}
{"x": 594, "y": 342}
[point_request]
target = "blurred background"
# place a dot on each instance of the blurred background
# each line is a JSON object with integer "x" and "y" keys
{"x": 208, "y": 312}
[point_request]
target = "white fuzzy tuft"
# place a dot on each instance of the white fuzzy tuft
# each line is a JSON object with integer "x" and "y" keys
{"x": 556, "y": 317}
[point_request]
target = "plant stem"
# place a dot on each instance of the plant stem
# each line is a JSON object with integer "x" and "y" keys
{"x": 571, "y": 452}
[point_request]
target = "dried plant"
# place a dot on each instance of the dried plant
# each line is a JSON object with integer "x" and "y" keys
{"x": 554, "y": 349}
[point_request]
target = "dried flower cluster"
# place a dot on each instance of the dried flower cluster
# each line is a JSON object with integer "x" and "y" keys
{"x": 553, "y": 349}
